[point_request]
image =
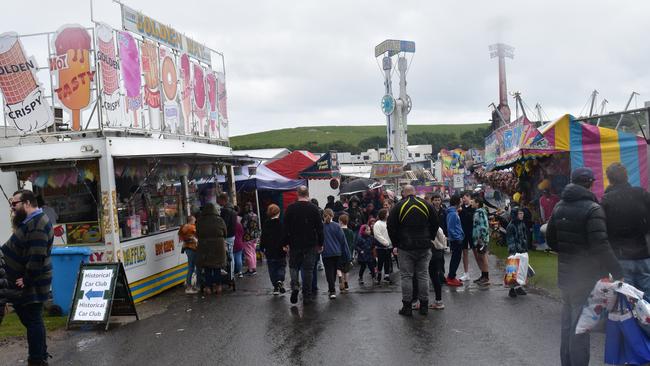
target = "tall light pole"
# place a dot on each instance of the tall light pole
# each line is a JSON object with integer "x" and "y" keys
{"x": 501, "y": 51}
{"x": 395, "y": 110}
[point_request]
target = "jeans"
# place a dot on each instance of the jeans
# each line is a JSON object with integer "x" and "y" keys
{"x": 384, "y": 260}
{"x": 276, "y": 269}
{"x": 314, "y": 275}
{"x": 331, "y": 264}
{"x": 574, "y": 349}
{"x": 251, "y": 255}
{"x": 456, "y": 247}
{"x": 230, "y": 243}
{"x": 302, "y": 260}
{"x": 371, "y": 269}
{"x": 637, "y": 273}
{"x": 414, "y": 263}
{"x": 238, "y": 260}
{"x": 31, "y": 315}
{"x": 191, "y": 266}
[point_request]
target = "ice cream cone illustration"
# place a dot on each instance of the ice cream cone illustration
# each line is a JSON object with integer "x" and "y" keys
{"x": 25, "y": 104}
{"x": 109, "y": 74}
{"x": 130, "y": 65}
{"x": 199, "y": 96}
{"x": 73, "y": 42}
{"x": 213, "y": 116}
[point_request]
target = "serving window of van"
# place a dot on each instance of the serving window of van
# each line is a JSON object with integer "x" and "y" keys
{"x": 151, "y": 193}
{"x": 68, "y": 194}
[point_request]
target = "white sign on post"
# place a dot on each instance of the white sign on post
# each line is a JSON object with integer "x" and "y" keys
{"x": 459, "y": 182}
{"x": 92, "y": 306}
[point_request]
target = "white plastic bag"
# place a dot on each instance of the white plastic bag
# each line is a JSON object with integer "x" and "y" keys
{"x": 522, "y": 273}
{"x": 516, "y": 270}
{"x": 600, "y": 302}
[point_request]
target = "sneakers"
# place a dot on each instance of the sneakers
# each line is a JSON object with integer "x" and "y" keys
{"x": 484, "y": 281}
{"x": 387, "y": 277}
{"x": 512, "y": 293}
{"x": 276, "y": 290}
{"x": 239, "y": 275}
{"x": 406, "y": 309}
{"x": 250, "y": 273}
{"x": 478, "y": 280}
{"x": 464, "y": 277}
{"x": 294, "y": 296}
{"x": 520, "y": 291}
{"x": 454, "y": 282}
{"x": 361, "y": 280}
{"x": 415, "y": 305}
{"x": 332, "y": 296}
{"x": 280, "y": 287}
{"x": 346, "y": 286}
{"x": 438, "y": 305}
{"x": 191, "y": 291}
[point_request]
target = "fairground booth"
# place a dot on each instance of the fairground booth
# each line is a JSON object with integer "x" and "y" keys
{"x": 123, "y": 132}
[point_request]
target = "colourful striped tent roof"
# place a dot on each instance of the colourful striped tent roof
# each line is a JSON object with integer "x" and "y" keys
{"x": 593, "y": 147}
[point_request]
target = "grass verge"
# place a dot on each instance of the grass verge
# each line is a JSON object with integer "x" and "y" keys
{"x": 544, "y": 264}
{"x": 12, "y": 327}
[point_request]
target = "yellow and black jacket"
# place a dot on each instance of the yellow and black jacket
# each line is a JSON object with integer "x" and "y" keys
{"x": 412, "y": 224}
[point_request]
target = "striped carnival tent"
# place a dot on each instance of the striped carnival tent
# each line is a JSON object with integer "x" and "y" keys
{"x": 592, "y": 147}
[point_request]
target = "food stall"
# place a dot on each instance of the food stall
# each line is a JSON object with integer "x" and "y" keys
{"x": 134, "y": 140}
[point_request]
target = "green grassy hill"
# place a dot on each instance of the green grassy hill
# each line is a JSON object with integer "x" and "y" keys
{"x": 327, "y": 134}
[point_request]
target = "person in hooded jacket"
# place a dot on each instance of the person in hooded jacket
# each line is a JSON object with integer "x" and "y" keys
{"x": 357, "y": 217}
{"x": 363, "y": 247}
{"x": 517, "y": 241}
{"x": 273, "y": 246}
{"x": 628, "y": 223}
{"x": 577, "y": 231}
{"x": 211, "y": 257}
{"x": 334, "y": 248}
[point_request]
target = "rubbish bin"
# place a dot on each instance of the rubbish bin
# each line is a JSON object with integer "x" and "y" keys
{"x": 65, "y": 268}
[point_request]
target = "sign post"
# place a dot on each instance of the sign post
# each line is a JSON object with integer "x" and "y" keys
{"x": 102, "y": 291}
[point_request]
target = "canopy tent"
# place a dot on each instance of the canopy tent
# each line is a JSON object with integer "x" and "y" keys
{"x": 291, "y": 165}
{"x": 592, "y": 147}
{"x": 266, "y": 179}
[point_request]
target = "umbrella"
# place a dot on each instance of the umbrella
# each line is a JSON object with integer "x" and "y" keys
{"x": 359, "y": 185}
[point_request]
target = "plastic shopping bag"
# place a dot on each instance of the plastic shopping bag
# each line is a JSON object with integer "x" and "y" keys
{"x": 600, "y": 302}
{"x": 625, "y": 342}
{"x": 516, "y": 270}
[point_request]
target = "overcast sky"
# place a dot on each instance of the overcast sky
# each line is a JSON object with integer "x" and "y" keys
{"x": 301, "y": 63}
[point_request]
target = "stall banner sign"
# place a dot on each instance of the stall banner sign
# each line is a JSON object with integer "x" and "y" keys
{"x": 75, "y": 80}
{"x": 213, "y": 114}
{"x": 134, "y": 256}
{"x": 24, "y": 100}
{"x": 109, "y": 71}
{"x": 131, "y": 73}
{"x": 200, "y": 98}
{"x": 222, "y": 101}
{"x": 503, "y": 146}
{"x": 101, "y": 291}
{"x": 384, "y": 170}
{"x": 165, "y": 247}
{"x": 83, "y": 233}
{"x": 186, "y": 94}
{"x": 453, "y": 162}
{"x": 327, "y": 166}
{"x": 170, "y": 90}
{"x": 136, "y": 22}
{"x": 150, "y": 68}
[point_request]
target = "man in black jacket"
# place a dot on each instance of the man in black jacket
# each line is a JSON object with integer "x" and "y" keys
{"x": 577, "y": 232}
{"x": 303, "y": 231}
{"x": 412, "y": 225}
{"x": 628, "y": 222}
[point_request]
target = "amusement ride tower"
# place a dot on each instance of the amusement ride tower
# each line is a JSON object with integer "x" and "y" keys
{"x": 395, "y": 110}
{"x": 501, "y": 51}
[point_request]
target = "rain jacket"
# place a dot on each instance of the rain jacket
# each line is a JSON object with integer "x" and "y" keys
{"x": 454, "y": 228}
{"x": 481, "y": 228}
{"x": 628, "y": 220}
{"x": 211, "y": 231}
{"x": 334, "y": 243}
{"x": 412, "y": 224}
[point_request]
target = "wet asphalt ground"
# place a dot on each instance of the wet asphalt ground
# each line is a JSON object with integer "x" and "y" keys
{"x": 362, "y": 327}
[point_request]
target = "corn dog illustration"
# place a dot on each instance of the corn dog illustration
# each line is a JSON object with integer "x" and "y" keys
{"x": 73, "y": 42}
{"x": 130, "y": 65}
{"x": 186, "y": 92}
{"x": 109, "y": 73}
{"x": 199, "y": 96}
{"x": 25, "y": 104}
